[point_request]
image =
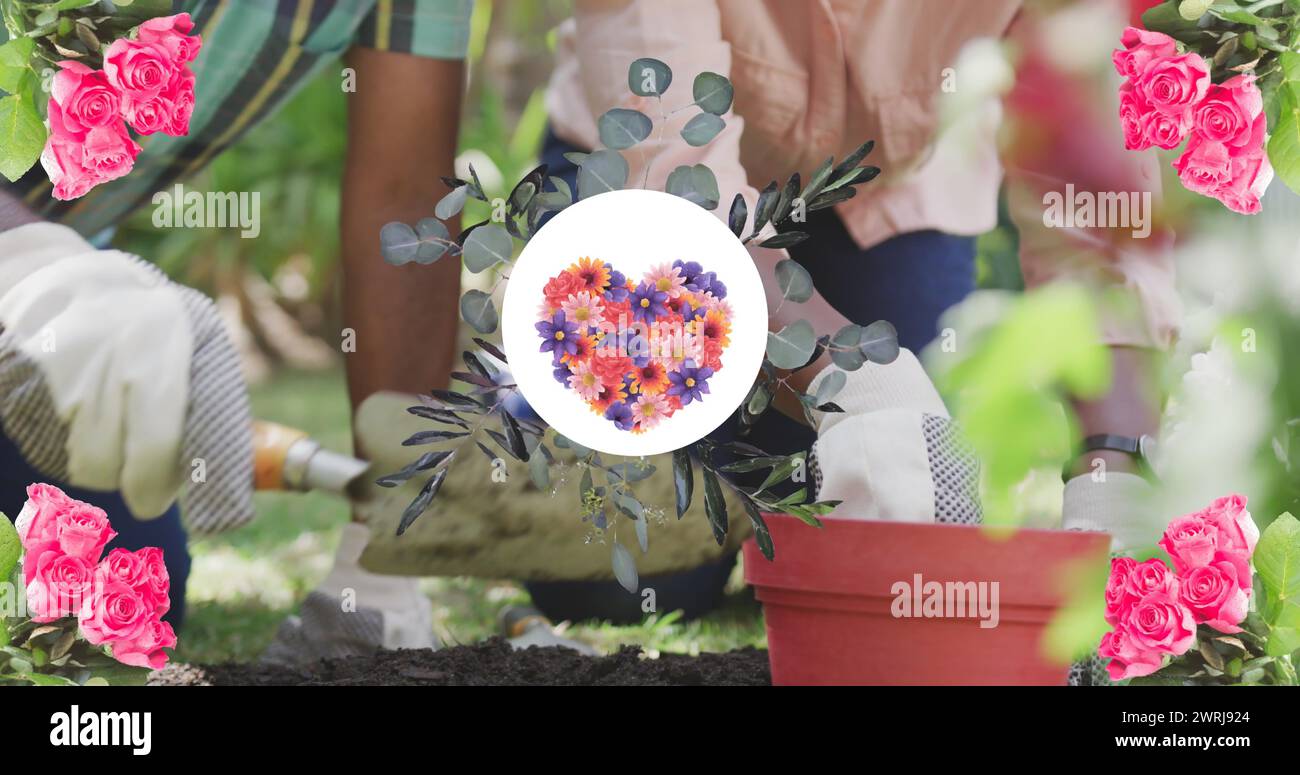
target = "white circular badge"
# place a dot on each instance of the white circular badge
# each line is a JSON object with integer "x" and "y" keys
{"x": 635, "y": 322}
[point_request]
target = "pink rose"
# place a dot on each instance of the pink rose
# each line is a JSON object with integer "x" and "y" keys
{"x": 1212, "y": 594}
{"x": 145, "y": 648}
{"x": 83, "y": 530}
{"x": 155, "y": 584}
{"x": 1232, "y": 113}
{"x": 180, "y": 93}
{"x": 85, "y": 98}
{"x": 1237, "y": 534}
{"x": 1160, "y": 623}
{"x": 1205, "y": 166}
{"x": 1249, "y": 179}
{"x": 36, "y": 522}
{"x": 113, "y": 613}
{"x": 1163, "y": 130}
{"x": 77, "y": 163}
{"x": 1133, "y": 115}
{"x": 1191, "y": 541}
{"x": 126, "y": 566}
{"x": 172, "y": 33}
{"x": 139, "y": 71}
{"x": 148, "y": 116}
{"x": 1118, "y": 598}
{"x": 1174, "y": 84}
{"x": 1149, "y": 577}
{"x": 1140, "y": 48}
{"x": 1127, "y": 660}
{"x": 57, "y": 583}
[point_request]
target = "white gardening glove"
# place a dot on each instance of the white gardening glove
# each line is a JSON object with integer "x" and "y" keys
{"x": 355, "y": 612}
{"x": 1119, "y": 504}
{"x": 893, "y": 453}
{"x": 112, "y": 377}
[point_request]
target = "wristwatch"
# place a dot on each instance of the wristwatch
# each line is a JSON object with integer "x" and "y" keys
{"x": 1141, "y": 448}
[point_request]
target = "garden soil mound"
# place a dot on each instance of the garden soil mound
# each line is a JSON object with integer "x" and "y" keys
{"x": 489, "y": 663}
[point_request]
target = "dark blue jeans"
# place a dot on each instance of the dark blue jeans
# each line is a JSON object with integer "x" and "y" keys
{"x": 165, "y": 532}
{"x": 908, "y": 280}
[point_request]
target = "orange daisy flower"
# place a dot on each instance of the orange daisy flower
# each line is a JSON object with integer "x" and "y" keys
{"x": 650, "y": 379}
{"x": 593, "y": 274}
{"x": 714, "y": 328}
{"x": 586, "y": 345}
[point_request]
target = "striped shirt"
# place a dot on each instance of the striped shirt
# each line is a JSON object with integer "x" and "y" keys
{"x": 255, "y": 56}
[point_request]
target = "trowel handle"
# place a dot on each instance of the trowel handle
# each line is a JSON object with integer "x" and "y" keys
{"x": 271, "y": 445}
{"x": 288, "y": 459}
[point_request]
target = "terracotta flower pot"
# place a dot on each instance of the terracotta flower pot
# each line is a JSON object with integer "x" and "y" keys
{"x": 859, "y": 602}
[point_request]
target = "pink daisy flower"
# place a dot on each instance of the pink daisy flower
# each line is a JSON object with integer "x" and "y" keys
{"x": 650, "y": 409}
{"x": 586, "y": 382}
{"x": 583, "y": 308}
{"x": 666, "y": 278}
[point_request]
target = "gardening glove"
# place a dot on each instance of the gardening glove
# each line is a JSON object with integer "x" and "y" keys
{"x": 893, "y": 453}
{"x": 114, "y": 378}
{"x": 354, "y": 612}
{"x": 1119, "y": 504}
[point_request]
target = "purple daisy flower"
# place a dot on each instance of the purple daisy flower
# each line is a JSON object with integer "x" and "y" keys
{"x": 691, "y": 271}
{"x": 621, "y": 415}
{"x": 558, "y": 335}
{"x": 648, "y": 304}
{"x": 617, "y": 285}
{"x": 562, "y": 374}
{"x": 689, "y": 383}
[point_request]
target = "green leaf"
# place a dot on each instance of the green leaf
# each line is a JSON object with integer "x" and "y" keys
{"x": 625, "y": 568}
{"x": 830, "y": 386}
{"x": 477, "y": 308}
{"x": 879, "y": 342}
{"x": 792, "y": 346}
{"x": 762, "y": 536}
{"x": 767, "y": 201}
{"x": 487, "y": 245}
{"x": 737, "y": 215}
{"x": 11, "y": 549}
{"x": 753, "y": 464}
{"x": 845, "y": 350}
{"x": 696, "y": 184}
{"x": 15, "y": 70}
{"x": 1191, "y": 10}
{"x": 539, "y": 470}
{"x": 629, "y": 505}
{"x": 787, "y": 239}
{"x": 1277, "y": 563}
{"x": 518, "y": 447}
{"x": 683, "y": 480}
{"x": 817, "y": 182}
{"x": 451, "y": 204}
{"x": 849, "y": 164}
{"x": 622, "y": 128}
{"x": 648, "y": 77}
{"x": 601, "y": 171}
{"x": 422, "y": 500}
{"x": 701, "y": 129}
{"x": 795, "y": 282}
{"x": 713, "y": 93}
{"x": 22, "y": 136}
{"x": 1284, "y": 144}
{"x": 715, "y": 507}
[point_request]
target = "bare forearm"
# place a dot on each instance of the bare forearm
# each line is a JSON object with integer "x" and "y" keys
{"x": 404, "y": 318}
{"x": 1130, "y": 408}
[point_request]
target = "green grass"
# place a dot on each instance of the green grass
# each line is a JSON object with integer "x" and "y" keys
{"x": 246, "y": 581}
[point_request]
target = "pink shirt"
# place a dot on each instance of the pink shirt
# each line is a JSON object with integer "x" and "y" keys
{"x": 815, "y": 78}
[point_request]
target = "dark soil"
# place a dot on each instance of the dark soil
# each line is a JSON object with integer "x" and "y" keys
{"x": 490, "y": 663}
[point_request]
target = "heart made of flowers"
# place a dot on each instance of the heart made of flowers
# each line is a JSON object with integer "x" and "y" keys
{"x": 635, "y": 352}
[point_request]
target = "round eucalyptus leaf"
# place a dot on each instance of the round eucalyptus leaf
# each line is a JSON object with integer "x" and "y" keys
{"x": 713, "y": 93}
{"x": 479, "y": 311}
{"x": 648, "y": 77}
{"x": 398, "y": 243}
{"x": 486, "y": 246}
{"x": 792, "y": 346}
{"x": 879, "y": 342}
{"x": 434, "y": 239}
{"x": 795, "y": 282}
{"x": 625, "y": 569}
{"x": 622, "y": 128}
{"x": 451, "y": 204}
{"x": 844, "y": 348}
{"x": 601, "y": 171}
{"x": 642, "y": 535}
{"x": 702, "y": 129}
{"x": 830, "y": 386}
{"x": 696, "y": 184}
